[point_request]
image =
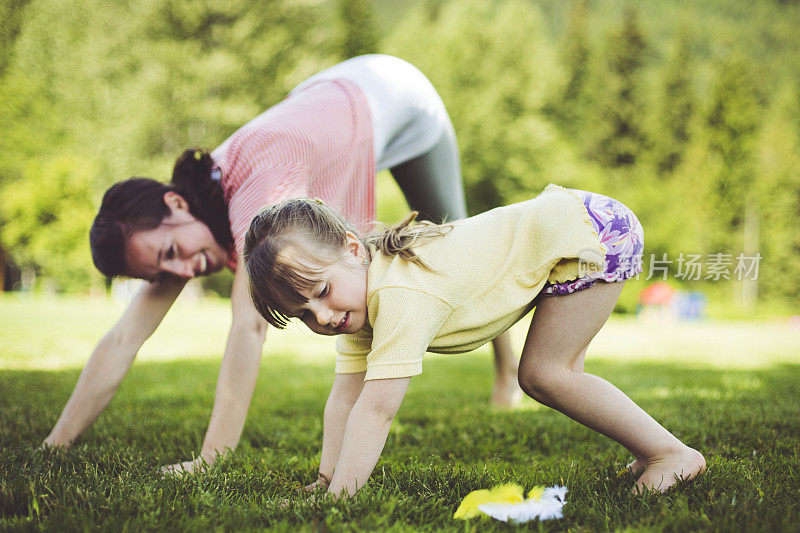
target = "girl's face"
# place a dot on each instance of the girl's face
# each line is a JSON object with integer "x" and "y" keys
{"x": 338, "y": 302}
{"x": 181, "y": 246}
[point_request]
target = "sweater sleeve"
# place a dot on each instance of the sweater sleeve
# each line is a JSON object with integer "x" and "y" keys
{"x": 352, "y": 351}
{"x": 405, "y": 322}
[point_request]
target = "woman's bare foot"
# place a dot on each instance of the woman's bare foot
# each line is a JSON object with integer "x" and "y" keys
{"x": 663, "y": 472}
{"x": 506, "y": 393}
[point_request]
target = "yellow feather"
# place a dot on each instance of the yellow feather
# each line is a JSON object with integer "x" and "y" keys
{"x": 536, "y": 493}
{"x": 509, "y": 493}
{"x": 469, "y": 505}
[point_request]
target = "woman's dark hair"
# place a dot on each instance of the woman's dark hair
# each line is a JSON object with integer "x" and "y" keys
{"x": 137, "y": 204}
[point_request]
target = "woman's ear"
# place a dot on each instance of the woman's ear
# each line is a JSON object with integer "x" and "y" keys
{"x": 175, "y": 201}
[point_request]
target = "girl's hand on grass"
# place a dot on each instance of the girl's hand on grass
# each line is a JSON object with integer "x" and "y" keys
{"x": 187, "y": 467}
{"x": 322, "y": 482}
{"x": 311, "y": 492}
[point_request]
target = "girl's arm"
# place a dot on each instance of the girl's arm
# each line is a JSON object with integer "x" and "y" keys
{"x": 365, "y": 433}
{"x": 237, "y": 377}
{"x": 344, "y": 393}
{"x": 111, "y": 359}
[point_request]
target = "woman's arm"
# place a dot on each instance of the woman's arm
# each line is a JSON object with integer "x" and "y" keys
{"x": 365, "y": 433}
{"x": 111, "y": 359}
{"x": 237, "y": 377}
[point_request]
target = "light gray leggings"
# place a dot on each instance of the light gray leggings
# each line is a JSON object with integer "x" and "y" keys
{"x": 432, "y": 182}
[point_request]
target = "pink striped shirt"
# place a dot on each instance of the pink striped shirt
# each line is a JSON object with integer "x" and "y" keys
{"x": 315, "y": 143}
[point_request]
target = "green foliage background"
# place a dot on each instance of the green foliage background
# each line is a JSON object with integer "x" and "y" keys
{"x": 687, "y": 111}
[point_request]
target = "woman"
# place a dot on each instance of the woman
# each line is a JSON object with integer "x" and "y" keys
{"x": 326, "y": 140}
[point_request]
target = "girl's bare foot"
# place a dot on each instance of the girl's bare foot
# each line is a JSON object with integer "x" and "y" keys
{"x": 663, "y": 472}
{"x": 636, "y": 466}
{"x": 506, "y": 393}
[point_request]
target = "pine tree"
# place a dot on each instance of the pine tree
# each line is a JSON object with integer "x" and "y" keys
{"x": 571, "y": 106}
{"x": 619, "y": 139}
{"x": 677, "y": 109}
{"x": 733, "y": 122}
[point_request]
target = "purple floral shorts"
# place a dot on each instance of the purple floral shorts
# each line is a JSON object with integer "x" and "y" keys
{"x": 621, "y": 233}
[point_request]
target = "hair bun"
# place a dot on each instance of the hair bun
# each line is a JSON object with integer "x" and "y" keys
{"x": 193, "y": 169}
{"x": 192, "y": 179}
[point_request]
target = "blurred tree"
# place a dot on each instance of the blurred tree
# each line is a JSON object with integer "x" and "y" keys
{"x": 129, "y": 85}
{"x": 18, "y": 100}
{"x": 24, "y": 110}
{"x": 733, "y": 121}
{"x": 56, "y": 95}
{"x": 48, "y": 211}
{"x": 618, "y": 138}
{"x": 11, "y": 17}
{"x": 571, "y": 106}
{"x": 677, "y": 109}
{"x": 494, "y": 70}
{"x": 111, "y": 89}
{"x": 208, "y": 67}
{"x": 357, "y": 27}
{"x": 778, "y": 184}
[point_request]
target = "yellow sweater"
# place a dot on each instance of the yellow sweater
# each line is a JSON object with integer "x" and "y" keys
{"x": 488, "y": 270}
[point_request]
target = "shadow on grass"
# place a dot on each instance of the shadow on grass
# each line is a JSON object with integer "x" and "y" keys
{"x": 446, "y": 441}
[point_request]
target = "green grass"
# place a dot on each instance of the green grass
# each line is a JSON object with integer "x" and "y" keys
{"x": 732, "y": 390}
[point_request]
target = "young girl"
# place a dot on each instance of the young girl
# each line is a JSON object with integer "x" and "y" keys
{"x": 449, "y": 289}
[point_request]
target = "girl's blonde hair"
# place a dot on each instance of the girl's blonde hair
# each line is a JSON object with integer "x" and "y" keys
{"x": 290, "y": 243}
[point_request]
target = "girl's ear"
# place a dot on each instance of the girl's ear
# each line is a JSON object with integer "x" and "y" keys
{"x": 354, "y": 246}
{"x": 175, "y": 201}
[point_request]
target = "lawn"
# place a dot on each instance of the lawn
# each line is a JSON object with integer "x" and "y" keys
{"x": 729, "y": 389}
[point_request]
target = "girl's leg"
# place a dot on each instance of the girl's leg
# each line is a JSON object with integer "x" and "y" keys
{"x": 506, "y": 392}
{"x": 551, "y": 371}
{"x": 638, "y": 464}
{"x": 432, "y": 185}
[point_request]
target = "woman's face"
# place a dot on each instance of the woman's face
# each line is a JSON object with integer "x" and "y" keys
{"x": 181, "y": 246}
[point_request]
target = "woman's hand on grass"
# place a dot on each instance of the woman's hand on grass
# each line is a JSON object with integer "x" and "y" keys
{"x": 197, "y": 464}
